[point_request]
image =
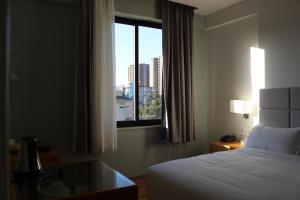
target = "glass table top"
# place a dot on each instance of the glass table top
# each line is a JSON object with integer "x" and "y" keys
{"x": 61, "y": 181}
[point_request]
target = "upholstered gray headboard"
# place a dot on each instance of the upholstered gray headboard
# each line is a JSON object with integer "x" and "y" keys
{"x": 280, "y": 107}
{"x": 295, "y": 107}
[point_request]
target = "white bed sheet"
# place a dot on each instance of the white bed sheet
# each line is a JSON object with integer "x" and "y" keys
{"x": 242, "y": 174}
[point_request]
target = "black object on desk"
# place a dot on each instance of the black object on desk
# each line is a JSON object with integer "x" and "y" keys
{"x": 228, "y": 138}
{"x": 28, "y": 163}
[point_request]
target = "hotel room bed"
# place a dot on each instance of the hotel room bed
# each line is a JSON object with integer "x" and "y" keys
{"x": 269, "y": 170}
{"x": 242, "y": 174}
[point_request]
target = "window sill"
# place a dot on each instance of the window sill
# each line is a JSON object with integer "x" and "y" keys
{"x": 138, "y": 127}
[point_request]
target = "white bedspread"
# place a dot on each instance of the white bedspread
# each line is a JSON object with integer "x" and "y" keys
{"x": 241, "y": 174}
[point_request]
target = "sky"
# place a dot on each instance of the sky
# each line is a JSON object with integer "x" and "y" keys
{"x": 150, "y": 45}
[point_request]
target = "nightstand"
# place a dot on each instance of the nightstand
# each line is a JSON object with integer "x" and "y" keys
{"x": 215, "y": 146}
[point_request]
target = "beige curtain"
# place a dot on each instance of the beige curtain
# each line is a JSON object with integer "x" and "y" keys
{"x": 96, "y": 129}
{"x": 177, "y": 75}
{"x": 104, "y": 127}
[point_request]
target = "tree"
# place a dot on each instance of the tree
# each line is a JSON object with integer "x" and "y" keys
{"x": 152, "y": 108}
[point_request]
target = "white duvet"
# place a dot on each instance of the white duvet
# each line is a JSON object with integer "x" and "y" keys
{"x": 241, "y": 174}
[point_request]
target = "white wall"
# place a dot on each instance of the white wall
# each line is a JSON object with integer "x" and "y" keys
{"x": 279, "y": 35}
{"x": 276, "y": 30}
{"x": 239, "y": 10}
{"x": 229, "y": 74}
{"x": 43, "y": 56}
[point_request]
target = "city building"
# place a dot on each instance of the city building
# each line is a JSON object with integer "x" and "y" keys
{"x": 125, "y": 109}
{"x": 155, "y": 74}
{"x": 131, "y": 74}
{"x": 125, "y": 102}
{"x": 143, "y": 74}
{"x": 144, "y": 94}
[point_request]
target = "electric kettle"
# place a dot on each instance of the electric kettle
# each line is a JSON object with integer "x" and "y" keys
{"x": 28, "y": 163}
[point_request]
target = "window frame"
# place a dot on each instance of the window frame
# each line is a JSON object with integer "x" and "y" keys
{"x": 136, "y": 23}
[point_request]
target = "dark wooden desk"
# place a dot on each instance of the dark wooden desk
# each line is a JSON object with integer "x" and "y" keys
{"x": 91, "y": 180}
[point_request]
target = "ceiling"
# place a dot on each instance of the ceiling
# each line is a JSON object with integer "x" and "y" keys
{"x": 206, "y": 7}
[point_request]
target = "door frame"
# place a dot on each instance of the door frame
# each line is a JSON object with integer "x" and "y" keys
{"x": 4, "y": 108}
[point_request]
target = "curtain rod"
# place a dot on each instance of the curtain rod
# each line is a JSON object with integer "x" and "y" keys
{"x": 137, "y": 17}
{"x": 64, "y": 2}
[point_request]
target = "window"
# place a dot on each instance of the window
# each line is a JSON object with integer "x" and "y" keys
{"x": 139, "y": 65}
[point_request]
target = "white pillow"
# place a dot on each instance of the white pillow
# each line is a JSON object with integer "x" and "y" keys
{"x": 281, "y": 140}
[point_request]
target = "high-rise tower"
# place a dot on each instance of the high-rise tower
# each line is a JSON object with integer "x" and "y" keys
{"x": 143, "y": 74}
{"x": 155, "y": 74}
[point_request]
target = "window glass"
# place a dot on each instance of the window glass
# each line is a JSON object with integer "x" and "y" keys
{"x": 138, "y": 46}
{"x": 150, "y": 73}
{"x": 125, "y": 57}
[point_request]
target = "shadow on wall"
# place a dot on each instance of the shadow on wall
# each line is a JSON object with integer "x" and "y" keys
{"x": 43, "y": 57}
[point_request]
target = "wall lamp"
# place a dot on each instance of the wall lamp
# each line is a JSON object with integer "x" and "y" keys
{"x": 241, "y": 107}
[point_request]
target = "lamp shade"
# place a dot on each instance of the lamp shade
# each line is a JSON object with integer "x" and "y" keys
{"x": 240, "y": 106}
